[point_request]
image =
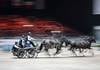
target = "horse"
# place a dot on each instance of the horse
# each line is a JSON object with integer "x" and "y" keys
{"x": 83, "y": 44}
{"x": 56, "y": 43}
{"x": 48, "y": 45}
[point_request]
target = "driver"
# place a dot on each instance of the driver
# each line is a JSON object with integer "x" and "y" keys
{"x": 30, "y": 39}
{"x": 29, "y": 36}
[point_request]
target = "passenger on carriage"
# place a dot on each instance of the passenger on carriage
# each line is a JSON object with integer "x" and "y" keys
{"x": 22, "y": 41}
{"x": 15, "y": 47}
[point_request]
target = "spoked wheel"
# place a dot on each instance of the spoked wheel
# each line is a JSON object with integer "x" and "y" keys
{"x": 31, "y": 53}
{"x": 26, "y": 53}
{"x": 21, "y": 53}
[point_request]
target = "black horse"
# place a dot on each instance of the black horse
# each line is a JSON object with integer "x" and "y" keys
{"x": 82, "y": 45}
{"x": 56, "y": 44}
{"x": 45, "y": 46}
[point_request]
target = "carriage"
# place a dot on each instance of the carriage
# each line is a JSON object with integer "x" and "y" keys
{"x": 32, "y": 52}
{"x": 25, "y": 52}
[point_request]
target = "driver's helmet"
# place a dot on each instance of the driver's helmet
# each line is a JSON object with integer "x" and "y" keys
{"x": 29, "y": 33}
{"x": 16, "y": 43}
{"x": 23, "y": 36}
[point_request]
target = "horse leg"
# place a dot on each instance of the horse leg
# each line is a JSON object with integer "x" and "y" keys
{"x": 82, "y": 51}
{"x": 73, "y": 51}
{"x": 37, "y": 51}
{"x": 58, "y": 49}
{"x": 36, "y": 55}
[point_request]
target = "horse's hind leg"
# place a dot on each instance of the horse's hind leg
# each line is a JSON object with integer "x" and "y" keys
{"x": 57, "y": 52}
{"x": 58, "y": 49}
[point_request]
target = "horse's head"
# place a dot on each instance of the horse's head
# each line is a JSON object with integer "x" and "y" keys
{"x": 91, "y": 39}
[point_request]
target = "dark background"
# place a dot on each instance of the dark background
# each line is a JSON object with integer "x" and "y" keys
{"x": 73, "y": 13}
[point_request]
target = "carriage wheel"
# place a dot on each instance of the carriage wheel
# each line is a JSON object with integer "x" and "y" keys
{"x": 31, "y": 53}
{"x": 21, "y": 54}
